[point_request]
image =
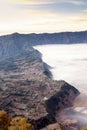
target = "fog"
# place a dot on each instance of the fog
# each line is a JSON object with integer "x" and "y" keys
{"x": 69, "y": 63}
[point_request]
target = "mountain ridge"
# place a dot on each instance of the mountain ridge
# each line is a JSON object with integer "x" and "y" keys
{"x": 15, "y": 44}
{"x": 55, "y": 37}
{"x": 15, "y": 33}
{"x": 26, "y": 84}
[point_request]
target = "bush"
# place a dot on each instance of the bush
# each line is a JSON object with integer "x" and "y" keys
{"x": 19, "y": 123}
{"x": 4, "y": 120}
{"x": 85, "y": 128}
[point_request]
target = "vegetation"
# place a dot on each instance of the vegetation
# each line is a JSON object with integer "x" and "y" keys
{"x": 55, "y": 129}
{"x": 4, "y": 120}
{"x": 85, "y": 128}
{"x": 17, "y": 123}
{"x": 62, "y": 127}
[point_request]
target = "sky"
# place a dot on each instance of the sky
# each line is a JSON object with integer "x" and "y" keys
{"x": 41, "y": 16}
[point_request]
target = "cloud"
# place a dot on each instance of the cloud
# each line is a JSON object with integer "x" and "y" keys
{"x": 81, "y": 20}
{"x": 42, "y": 15}
{"x": 76, "y": 2}
{"x": 62, "y": 6}
{"x": 34, "y": 2}
{"x": 38, "y": 2}
{"x": 85, "y": 10}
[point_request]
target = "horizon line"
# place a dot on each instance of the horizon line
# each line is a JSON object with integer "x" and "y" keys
{"x": 41, "y": 33}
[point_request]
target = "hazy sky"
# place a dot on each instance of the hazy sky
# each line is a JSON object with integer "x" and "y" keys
{"x": 28, "y": 16}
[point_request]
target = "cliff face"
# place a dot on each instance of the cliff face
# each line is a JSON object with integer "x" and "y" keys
{"x": 55, "y": 103}
{"x": 62, "y": 99}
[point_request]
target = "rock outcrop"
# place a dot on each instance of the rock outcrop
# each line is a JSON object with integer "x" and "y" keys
{"x": 61, "y": 99}
{"x": 54, "y": 126}
{"x": 69, "y": 125}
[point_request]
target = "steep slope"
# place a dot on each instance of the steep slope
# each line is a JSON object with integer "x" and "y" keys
{"x": 26, "y": 85}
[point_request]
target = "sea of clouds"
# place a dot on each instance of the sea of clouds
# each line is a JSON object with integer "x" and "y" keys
{"x": 68, "y": 62}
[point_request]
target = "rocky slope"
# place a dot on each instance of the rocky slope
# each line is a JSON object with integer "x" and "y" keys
{"x": 26, "y": 89}
{"x": 26, "y": 85}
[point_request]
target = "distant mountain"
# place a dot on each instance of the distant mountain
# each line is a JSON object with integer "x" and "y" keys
{"x": 45, "y": 38}
{"x": 15, "y": 44}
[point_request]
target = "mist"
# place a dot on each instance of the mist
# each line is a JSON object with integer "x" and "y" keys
{"x": 69, "y": 63}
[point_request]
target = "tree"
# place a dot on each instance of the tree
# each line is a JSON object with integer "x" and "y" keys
{"x": 4, "y": 120}
{"x": 19, "y": 123}
{"x": 85, "y": 128}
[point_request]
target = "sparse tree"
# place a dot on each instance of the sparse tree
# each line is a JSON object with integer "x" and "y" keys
{"x": 19, "y": 123}
{"x": 85, "y": 128}
{"x": 4, "y": 120}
